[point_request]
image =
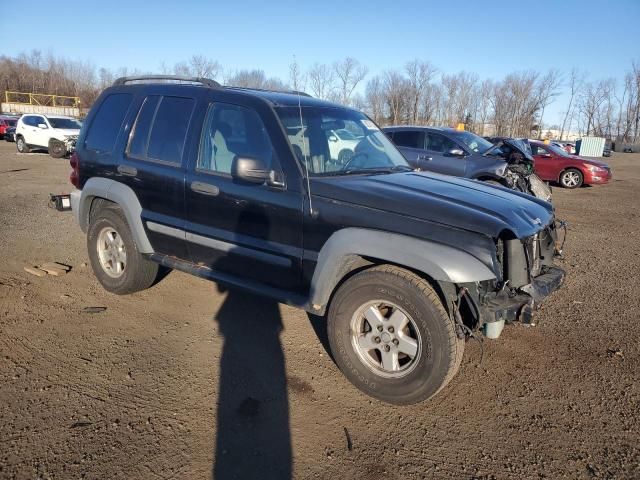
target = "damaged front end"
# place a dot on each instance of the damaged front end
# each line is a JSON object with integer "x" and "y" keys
{"x": 528, "y": 276}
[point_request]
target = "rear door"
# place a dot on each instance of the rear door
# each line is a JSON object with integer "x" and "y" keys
{"x": 437, "y": 146}
{"x": 411, "y": 144}
{"x": 247, "y": 230}
{"x": 152, "y": 164}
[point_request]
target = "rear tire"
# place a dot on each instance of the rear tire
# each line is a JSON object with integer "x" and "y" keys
{"x": 21, "y": 145}
{"x": 404, "y": 365}
{"x": 116, "y": 262}
{"x": 571, "y": 178}
{"x": 57, "y": 149}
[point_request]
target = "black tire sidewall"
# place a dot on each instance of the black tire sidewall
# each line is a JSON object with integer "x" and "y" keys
{"x": 57, "y": 144}
{"x": 435, "y": 361}
{"x": 109, "y": 217}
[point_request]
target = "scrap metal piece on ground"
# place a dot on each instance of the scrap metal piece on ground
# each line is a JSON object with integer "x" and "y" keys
{"x": 35, "y": 271}
{"x": 61, "y": 203}
{"x": 94, "y": 309}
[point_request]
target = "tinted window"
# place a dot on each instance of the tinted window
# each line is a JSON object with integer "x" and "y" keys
{"x": 68, "y": 123}
{"x": 231, "y": 130}
{"x": 107, "y": 122}
{"x": 169, "y": 130}
{"x": 439, "y": 143}
{"x": 140, "y": 132}
{"x": 408, "y": 138}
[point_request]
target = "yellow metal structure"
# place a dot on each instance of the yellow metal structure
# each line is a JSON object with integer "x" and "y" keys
{"x": 41, "y": 99}
{"x": 460, "y": 127}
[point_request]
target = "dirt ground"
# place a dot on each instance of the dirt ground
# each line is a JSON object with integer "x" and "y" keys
{"x": 187, "y": 381}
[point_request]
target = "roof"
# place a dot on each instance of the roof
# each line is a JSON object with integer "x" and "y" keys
{"x": 420, "y": 127}
{"x": 279, "y": 98}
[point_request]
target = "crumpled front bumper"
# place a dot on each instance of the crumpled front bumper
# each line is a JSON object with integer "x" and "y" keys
{"x": 521, "y": 307}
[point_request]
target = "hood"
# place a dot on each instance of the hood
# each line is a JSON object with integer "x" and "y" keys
{"x": 457, "y": 202}
{"x": 67, "y": 131}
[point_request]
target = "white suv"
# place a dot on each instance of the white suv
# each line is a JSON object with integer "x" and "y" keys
{"x": 57, "y": 134}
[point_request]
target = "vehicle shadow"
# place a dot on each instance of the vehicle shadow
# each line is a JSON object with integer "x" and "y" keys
{"x": 252, "y": 435}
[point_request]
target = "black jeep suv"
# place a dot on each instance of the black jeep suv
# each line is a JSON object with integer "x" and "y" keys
{"x": 240, "y": 186}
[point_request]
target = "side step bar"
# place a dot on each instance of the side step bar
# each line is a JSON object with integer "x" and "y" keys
{"x": 257, "y": 288}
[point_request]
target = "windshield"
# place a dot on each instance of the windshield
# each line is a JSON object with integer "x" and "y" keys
{"x": 69, "y": 123}
{"x": 345, "y": 135}
{"x": 324, "y": 153}
{"x": 473, "y": 141}
{"x": 557, "y": 150}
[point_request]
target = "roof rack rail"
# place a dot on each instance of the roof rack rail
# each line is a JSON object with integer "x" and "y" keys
{"x": 294, "y": 92}
{"x": 175, "y": 78}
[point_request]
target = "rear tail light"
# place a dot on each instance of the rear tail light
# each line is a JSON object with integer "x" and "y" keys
{"x": 74, "y": 177}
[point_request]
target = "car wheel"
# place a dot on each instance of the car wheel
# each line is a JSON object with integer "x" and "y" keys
{"x": 57, "y": 149}
{"x": 345, "y": 155}
{"x": 114, "y": 257}
{"x": 391, "y": 336}
{"x": 571, "y": 178}
{"x": 21, "y": 145}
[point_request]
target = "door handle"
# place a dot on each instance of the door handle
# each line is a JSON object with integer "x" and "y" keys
{"x": 128, "y": 171}
{"x": 425, "y": 157}
{"x": 205, "y": 189}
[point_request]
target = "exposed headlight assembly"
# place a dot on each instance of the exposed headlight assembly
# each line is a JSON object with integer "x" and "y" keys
{"x": 539, "y": 188}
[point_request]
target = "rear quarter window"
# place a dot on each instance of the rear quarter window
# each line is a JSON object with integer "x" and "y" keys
{"x": 107, "y": 122}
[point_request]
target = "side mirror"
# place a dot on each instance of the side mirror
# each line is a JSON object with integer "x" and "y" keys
{"x": 249, "y": 169}
{"x": 42, "y": 126}
{"x": 455, "y": 152}
{"x": 333, "y": 138}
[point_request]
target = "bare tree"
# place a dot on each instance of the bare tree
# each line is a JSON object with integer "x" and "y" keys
{"x": 576, "y": 81}
{"x": 547, "y": 90}
{"x": 198, "y": 66}
{"x": 349, "y": 73}
{"x": 321, "y": 80}
{"x": 296, "y": 77}
{"x": 419, "y": 75}
{"x": 375, "y": 99}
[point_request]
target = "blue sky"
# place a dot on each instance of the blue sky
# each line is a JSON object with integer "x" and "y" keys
{"x": 490, "y": 38}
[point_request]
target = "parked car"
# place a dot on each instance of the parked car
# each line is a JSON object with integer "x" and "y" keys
{"x": 404, "y": 264}
{"x": 10, "y": 134}
{"x": 56, "y": 134}
{"x": 571, "y": 171}
{"x": 6, "y": 122}
{"x": 507, "y": 162}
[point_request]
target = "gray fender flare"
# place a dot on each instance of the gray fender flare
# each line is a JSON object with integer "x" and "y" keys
{"x": 440, "y": 262}
{"x": 118, "y": 193}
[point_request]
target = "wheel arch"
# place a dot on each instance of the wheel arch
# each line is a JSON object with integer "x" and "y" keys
{"x": 124, "y": 197}
{"x": 352, "y": 249}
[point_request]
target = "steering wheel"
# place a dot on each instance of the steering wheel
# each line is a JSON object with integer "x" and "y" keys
{"x": 351, "y": 160}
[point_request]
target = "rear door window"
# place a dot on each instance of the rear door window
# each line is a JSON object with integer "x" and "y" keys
{"x": 107, "y": 122}
{"x": 409, "y": 138}
{"x": 161, "y": 128}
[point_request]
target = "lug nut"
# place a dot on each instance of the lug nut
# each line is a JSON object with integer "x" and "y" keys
{"x": 387, "y": 348}
{"x": 380, "y": 328}
{"x": 395, "y": 341}
{"x": 390, "y": 329}
{"x": 376, "y": 339}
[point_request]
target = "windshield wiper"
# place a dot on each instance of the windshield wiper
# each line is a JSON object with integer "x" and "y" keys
{"x": 378, "y": 170}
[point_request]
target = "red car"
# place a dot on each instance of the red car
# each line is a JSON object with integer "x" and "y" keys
{"x": 553, "y": 164}
{"x": 6, "y": 122}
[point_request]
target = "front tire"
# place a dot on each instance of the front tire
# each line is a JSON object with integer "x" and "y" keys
{"x": 571, "y": 178}
{"x": 116, "y": 262}
{"x": 57, "y": 149}
{"x": 21, "y": 145}
{"x": 391, "y": 336}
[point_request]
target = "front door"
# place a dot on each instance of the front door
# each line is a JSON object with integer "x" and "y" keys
{"x": 545, "y": 162}
{"x": 438, "y": 147}
{"x": 249, "y": 230}
{"x": 39, "y": 136}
